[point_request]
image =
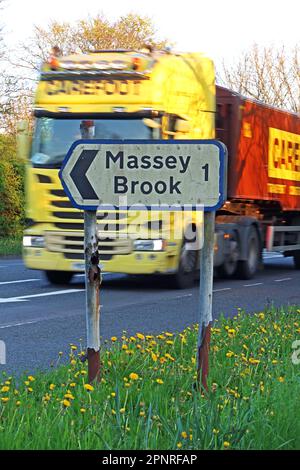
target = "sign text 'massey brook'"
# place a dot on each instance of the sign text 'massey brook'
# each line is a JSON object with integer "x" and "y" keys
{"x": 146, "y": 173}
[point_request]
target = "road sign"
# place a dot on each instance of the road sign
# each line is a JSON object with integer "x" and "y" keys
{"x": 145, "y": 172}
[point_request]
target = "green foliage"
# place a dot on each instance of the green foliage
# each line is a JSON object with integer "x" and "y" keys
{"x": 146, "y": 398}
{"x": 11, "y": 189}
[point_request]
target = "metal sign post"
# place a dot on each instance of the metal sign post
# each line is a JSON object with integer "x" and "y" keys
{"x": 205, "y": 301}
{"x": 92, "y": 286}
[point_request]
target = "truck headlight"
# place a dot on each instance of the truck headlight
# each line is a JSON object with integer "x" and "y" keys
{"x": 33, "y": 241}
{"x": 148, "y": 245}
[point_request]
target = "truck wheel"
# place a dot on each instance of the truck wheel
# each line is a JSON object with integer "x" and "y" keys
{"x": 186, "y": 273}
{"x": 59, "y": 277}
{"x": 297, "y": 259}
{"x": 229, "y": 267}
{"x": 247, "y": 268}
{"x": 296, "y": 256}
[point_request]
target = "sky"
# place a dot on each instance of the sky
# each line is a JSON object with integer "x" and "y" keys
{"x": 222, "y": 29}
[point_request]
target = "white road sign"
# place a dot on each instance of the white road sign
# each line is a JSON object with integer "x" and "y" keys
{"x": 147, "y": 173}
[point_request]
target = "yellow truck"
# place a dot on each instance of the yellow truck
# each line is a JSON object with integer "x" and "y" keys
{"x": 114, "y": 94}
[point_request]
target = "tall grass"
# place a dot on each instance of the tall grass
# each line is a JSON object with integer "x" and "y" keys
{"x": 146, "y": 398}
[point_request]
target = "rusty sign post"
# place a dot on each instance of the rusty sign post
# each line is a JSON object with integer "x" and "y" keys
{"x": 205, "y": 301}
{"x": 92, "y": 289}
{"x": 103, "y": 174}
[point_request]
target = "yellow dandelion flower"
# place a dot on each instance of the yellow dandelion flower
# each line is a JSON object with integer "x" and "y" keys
{"x": 5, "y": 389}
{"x": 159, "y": 381}
{"x": 82, "y": 410}
{"x": 231, "y": 332}
{"x": 5, "y": 399}
{"x": 30, "y": 390}
{"x": 254, "y": 361}
{"x": 52, "y": 386}
{"x": 113, "y": 412}
{"x": 154, "y": 357}
{"x": 133, "y": 376}
{"x": 169, "y": 342}
{"x": 140, "y": 336}
{"x": 184, "y": 435}
{"x": 281, "y": 379}
{"x": 124, "y": 346}
{"x": 168, "y": 356}
{"x": 122, "y": 410}
{"x": 72, "y": 384}
{"x": 216, "y": 431}
{"x": 142, "y": 413}
{"x": 73, "y": 347}
{"x": 31, "y": 378}
{"x": 229, "y": 354}
{"x": 226, "y": 444}
{"x": 88, "y": 387}
{"x": 66, "y": 403}
{"x": 179, "y": 445}
{"x": 69, "y": 396}
{"x": 18, "y": 403}
{"x": 113, "y": 339}
{"x": 113, "y": 394}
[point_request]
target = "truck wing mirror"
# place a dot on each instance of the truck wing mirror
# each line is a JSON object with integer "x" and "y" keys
{"x": 23, "y": 140}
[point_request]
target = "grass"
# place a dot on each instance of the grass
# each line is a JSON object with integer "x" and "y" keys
{"x": 11, "y": 246}
{"x": 146, "y": 398}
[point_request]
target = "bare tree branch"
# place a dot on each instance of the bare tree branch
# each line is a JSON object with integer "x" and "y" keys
{"x": 267, "y": 74}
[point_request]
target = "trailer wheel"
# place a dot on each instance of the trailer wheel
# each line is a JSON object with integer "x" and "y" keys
{"x": 296, "y": 256}
{"x": 186, "y": 273}
{"x": 247, "y": 268}
{"x": 59, "y": 278}
{"x": 297, "y": 259}
{"x": 229, "y": 268}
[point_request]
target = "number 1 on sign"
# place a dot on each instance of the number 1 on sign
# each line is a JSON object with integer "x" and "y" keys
{"x": 205, "y": 168}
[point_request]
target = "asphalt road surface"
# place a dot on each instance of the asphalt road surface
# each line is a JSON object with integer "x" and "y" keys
{"x": 38, "y": 320}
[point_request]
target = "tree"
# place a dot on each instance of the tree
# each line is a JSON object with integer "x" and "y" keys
{"x": 269, "y": 74}
{"x": 128, "y": 32}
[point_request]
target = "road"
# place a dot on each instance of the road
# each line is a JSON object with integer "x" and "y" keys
{"x": 38, "y": 320}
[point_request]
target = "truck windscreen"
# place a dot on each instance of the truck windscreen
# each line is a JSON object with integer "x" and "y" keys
{"x": 53, "y": 137}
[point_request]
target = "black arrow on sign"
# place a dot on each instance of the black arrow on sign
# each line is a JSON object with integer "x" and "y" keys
{"x": 78, "y": 174}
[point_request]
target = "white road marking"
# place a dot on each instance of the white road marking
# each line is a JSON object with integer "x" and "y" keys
{"x": 19, "y": 324}
{"x": 284, "y": 279}
{"x": 222, "y": 290}
{"x": 253, "y": 285}
{"x": 16, "y": 282}
{"x": 44, "y": 294}
{"x": 180, "y": 296}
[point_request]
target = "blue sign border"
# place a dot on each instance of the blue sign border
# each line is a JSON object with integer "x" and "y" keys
{"x": 222, "y": 174}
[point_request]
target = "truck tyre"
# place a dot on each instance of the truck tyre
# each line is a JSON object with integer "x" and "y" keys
{"x": 297, "y": 259}
{"x": 59, "y": 278}
{"x": 296, "y": 254}
{"x": 186, "y": 274}
{"x": 229, "y": 268}
{"x": 247, "y": 268}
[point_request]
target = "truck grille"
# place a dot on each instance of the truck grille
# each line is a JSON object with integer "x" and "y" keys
{"x": 70, "y": 244}
{"x": 66, "y": 218}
